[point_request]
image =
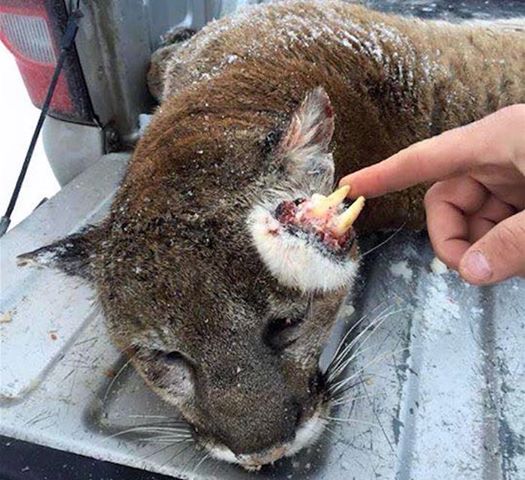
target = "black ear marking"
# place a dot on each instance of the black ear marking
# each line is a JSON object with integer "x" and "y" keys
{"x": 73, "y": 254}
{"x": 272, "y": 140}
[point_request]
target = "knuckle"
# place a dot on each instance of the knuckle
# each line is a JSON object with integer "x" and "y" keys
{"x": 441, "y": 249}
{"x": 498, "y": 136}
{"x": 510, "y": 239}
{"x": 428, "y": 199}
{"x": 435, "y": 192}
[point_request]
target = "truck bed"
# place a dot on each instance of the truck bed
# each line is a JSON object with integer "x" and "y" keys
{"x": 441, "y": 378}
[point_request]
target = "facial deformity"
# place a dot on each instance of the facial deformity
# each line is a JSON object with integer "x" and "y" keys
{"x": 323, "y": 215}
{"x": 224, "y": 400}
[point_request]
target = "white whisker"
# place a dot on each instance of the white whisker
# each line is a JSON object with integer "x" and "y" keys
{"x": 338, "y": 385}
{"x": 350, "y": 330}
{"x": 114, "y": 379}
{"x": 172, "y": 441}
{"x": 351, "y": 420}
{"x": 200, "y": 462}
{"x": 182, "y": 433}
{"x": 384, "y": 241}
{"x": 371, "y": 325}
{"x": 346, "y": 399}
{"x": 343, "y": 362}
{"x": 148, "y": 416}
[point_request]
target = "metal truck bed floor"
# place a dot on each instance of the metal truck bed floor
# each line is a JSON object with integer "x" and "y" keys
{"x": 444, "y": 390}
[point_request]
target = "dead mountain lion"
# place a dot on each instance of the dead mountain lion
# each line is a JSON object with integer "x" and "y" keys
{"x": 225, "y": 259}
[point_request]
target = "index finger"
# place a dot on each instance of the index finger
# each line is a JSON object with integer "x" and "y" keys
{"x": 449, "y": 154}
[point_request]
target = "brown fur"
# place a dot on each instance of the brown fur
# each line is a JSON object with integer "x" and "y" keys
{"x": 174, "y": 265}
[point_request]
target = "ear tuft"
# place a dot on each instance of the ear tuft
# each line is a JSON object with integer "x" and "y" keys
{"x": 312, "y": 126}
{"x": 303, "y": 151}
{"x": 73, "y": 254}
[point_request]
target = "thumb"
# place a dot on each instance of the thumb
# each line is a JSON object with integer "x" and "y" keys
{"x": 498, "y": 255}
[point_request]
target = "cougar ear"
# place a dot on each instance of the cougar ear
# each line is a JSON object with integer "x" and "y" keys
{"x": 304, "y": 146}
{"x": 73, "y": 254}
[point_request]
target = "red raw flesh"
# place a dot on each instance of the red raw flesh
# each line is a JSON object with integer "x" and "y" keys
{"x": 298, "y": 214}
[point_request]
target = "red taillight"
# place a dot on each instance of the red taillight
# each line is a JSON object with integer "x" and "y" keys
{"x": 32, "y": 30}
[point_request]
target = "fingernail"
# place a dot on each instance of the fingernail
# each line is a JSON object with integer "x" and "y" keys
{"x": 477, "y": 266}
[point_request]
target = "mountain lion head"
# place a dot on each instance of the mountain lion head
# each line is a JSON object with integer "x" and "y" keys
{"x": 221, "y": 269}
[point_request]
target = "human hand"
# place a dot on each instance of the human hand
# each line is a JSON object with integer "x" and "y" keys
{"x": 475, "y": 208}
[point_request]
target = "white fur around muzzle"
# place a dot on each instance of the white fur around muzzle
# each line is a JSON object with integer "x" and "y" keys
{"x": 293, "y": 261}
{"x": 305, "y": 436}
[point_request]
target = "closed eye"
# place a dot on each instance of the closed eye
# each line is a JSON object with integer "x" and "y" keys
{"x": 281, "y": 332}
{"x": 170, "y": 358}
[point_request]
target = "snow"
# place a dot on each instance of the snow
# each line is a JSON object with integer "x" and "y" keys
{"x": 401, "y": 269}
{"x": 294, "y": 32}
{"x": 144, "y": 121}
{"x": 17, "y": 123}
{"x": 438, "y": 267}
{"x": 440, "y": 310}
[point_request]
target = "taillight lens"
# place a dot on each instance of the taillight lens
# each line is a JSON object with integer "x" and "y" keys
{"x": 32, "y": 31}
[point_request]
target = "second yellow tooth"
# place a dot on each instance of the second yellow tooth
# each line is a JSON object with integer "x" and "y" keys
{"x": 348, "y": 217}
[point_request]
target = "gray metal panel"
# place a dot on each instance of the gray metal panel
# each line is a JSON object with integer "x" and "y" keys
{"x": 114, "y": 48}
{"x": 115, "y": 42}
{"x": 35, "y": 320}
{"x": 444, "y": 395}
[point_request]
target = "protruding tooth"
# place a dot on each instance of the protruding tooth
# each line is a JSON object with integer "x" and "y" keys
{"x": 338, "y": 196}
{"x": 322, "y": 205}
{"x": 348, "y": 217}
